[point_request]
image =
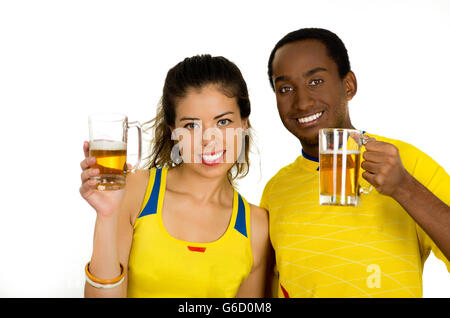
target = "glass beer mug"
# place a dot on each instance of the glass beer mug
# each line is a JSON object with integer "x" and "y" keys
{"x": 108, "y": 134}
{"x": 340, "y": 164}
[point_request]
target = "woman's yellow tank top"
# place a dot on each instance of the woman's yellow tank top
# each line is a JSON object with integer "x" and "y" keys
{"x": 163, "y": 266}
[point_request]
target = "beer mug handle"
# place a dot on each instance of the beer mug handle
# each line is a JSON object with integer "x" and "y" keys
{"x": 136, "y": 125}
{"x": 365, "y": 190}
{"x": 368, "y": 189}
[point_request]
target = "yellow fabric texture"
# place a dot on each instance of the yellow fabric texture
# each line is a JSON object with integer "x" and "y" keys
{"x": 373, "y": 250}
{"x": 163, "y": 266}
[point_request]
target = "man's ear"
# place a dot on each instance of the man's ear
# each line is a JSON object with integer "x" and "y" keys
{"x": 351, "y": 85}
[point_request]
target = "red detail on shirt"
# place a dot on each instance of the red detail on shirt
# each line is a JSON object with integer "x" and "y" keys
{"x": 197, "y": 249}
{"x": 285, "y": 293}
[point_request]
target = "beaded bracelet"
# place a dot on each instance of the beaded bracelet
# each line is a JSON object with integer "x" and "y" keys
{"x": 104, "y": 283}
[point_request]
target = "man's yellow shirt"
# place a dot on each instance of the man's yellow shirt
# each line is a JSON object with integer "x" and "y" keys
{"x": 373, "y": 250}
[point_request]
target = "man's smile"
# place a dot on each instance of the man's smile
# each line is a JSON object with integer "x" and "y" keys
{"x": 310, "y": 119}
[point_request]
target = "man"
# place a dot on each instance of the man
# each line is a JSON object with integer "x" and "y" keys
{"x": 378, "y": 248}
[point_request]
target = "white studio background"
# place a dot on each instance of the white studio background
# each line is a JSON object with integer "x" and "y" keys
{"x": 61, "y": 60}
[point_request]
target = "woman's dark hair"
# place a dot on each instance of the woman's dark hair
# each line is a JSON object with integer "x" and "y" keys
{"x": 335, "y": 47}
{"x": 195, "y": 73}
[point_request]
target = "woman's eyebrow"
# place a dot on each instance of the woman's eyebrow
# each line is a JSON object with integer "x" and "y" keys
{"x": 218, "y": 116}
{"x": 226, "y": 113}
{"x": 189, "y": 118}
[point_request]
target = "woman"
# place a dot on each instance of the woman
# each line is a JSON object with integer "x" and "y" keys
{"x": 180, "y": 228}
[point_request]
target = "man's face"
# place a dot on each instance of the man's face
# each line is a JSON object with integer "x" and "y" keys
{"x": 310, "y": 94}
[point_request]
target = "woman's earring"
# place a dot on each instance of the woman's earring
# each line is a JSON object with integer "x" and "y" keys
{"x": 241, "y": 157}
{"x": 175, "y": 155}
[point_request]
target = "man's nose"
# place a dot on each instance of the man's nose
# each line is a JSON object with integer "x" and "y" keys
{"x": 303, "y": 99}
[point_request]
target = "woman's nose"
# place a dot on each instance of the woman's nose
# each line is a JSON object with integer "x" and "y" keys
{"x": 211, "y": 135}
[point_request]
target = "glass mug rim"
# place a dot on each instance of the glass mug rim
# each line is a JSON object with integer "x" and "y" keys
{"x": 341, "y": 129}
{"x": 327, "y": 131}
{"x": 107, "y": 117}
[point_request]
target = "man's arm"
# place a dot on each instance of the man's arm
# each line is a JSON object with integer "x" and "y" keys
{"x": 385, "y": 171}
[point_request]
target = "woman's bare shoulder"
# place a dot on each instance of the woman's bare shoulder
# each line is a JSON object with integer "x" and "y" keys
{"x": 258, "y": 211}
{"x": 260, "y": 221}
{"x": 135, "y": 188}
{"x": 259, "y": 235}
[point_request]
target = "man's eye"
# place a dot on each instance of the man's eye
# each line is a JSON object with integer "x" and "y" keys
{"x": 284, "y": 89}
{"x": 223, "y": 122}
{"x": 315, "y": 82}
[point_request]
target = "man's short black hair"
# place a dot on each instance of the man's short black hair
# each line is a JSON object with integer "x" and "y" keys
{"x": 335, "y": 47}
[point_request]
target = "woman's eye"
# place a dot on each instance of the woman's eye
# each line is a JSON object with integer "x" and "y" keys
{"x": 284, "y": 89}
{"x": 223, "y": 122}
{"x": 315, "y": 82}
{"x": 191, "y": 125}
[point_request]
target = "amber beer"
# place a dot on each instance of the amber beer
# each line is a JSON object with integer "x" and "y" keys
{"x": 339, "y": 166}
{"x": 339, "y": 176}
{"x": 111, "y": 159}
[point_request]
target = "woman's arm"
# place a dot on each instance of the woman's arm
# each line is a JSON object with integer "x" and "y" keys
{"x": 113, "y": 230}
{"x": 255, "y": 284}
{"x": 112, "y": 245}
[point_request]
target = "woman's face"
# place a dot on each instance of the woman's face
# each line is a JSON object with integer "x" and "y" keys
{"x": 209, "y": 130}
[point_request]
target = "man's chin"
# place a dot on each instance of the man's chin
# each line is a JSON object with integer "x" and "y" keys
{"x": 309, "y": 141}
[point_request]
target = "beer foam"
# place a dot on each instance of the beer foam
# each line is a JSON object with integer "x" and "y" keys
{"x": 340, "y": 152}
{"x": 107, "y": 145}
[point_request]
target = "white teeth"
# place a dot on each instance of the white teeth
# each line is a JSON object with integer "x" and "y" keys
{"x": 212, "y": 157}
{"x": 309, "y": 118}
